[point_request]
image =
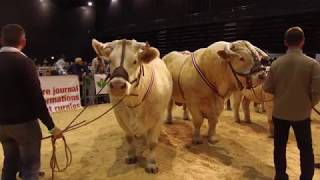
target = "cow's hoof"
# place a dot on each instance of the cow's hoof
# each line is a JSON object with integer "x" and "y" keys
{"x": 213, "y": 140}
{"x": 131, "y": 160}
{"x": 238, "y": 121}
{"x": 271, "y": 136}
{"x": 152, "y": 168}
{"x": 186, "y": 118}
{"x": 196, "y": 141}
{"x": 248, "y": 122}
{"x": 169, "y": 122}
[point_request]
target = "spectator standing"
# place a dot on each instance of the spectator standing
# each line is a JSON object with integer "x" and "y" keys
{"x": 61, "y": 65}
{"x": 79, "y": 68}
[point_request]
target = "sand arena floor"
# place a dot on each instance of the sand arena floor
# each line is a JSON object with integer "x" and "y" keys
{"x": 244, "y": 151}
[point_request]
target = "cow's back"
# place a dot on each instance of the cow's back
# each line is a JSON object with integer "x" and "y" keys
{"x": 175, "y": 61}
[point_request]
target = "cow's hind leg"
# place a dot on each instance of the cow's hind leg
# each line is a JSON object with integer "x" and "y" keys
{"x": 197, "y": 120}
{"x": 152, "y": 140}
{"x": 169, "y": 114}
{"x": 132, "y": 157}
{"x": 185, "y": 112}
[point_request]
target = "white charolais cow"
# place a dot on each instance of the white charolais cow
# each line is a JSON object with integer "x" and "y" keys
{"x": 140, "y": 77}
{"x": 203, "y": 79}
{"x": 257, "y": 95}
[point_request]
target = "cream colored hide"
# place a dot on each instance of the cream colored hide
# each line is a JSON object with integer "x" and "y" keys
{"x": 201, "y": 101}
{"x": 143, "y": 109}
{"x": 258, "y": 96}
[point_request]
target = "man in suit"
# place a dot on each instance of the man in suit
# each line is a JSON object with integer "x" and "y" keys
{"x": 294, "y": 80}
{"x": 21, "y": 104}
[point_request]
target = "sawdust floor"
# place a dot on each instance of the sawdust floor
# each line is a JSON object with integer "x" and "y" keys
{"x": 244, "y": 151}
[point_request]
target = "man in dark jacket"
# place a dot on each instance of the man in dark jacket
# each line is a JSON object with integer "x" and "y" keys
{"x": 21, "y": 104}
{"x": 294, "y": 80}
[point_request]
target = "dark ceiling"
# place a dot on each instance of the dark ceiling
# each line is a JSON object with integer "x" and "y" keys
{"x": 71, "y": 3}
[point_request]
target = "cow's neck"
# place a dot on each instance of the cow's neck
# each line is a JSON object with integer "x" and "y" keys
{"x": 218, "y": 72}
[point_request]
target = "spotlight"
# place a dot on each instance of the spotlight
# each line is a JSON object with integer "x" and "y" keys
{"x": 90, "y": 3}
{"x": 113, "y": 1}
{"x": 52, "y": 57}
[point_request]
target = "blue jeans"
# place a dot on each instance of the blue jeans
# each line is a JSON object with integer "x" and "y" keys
{"x": 21, "y": 146}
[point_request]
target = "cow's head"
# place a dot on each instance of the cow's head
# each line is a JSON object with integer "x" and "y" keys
{"x": 244, "y": 61}
{"x": 126, "y": 58}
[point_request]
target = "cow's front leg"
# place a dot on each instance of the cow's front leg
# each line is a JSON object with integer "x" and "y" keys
{"x": 169, "y": 112}
{"x": 185, "y": 112}
{"x": 246, "y": 110}
{"x": 197, "y": 120}
{"x": 271, "y": 128}
{"x": 212, "y": 134}
{"x": 132, "y": 157}
{"x": 152, "y": 140}
{"x": 236, "y": 104}
{"x": 263, "y": 109}
{"x": 256, "y": 107}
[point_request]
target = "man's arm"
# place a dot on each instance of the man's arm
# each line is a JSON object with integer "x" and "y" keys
{"x": 34, "y": 92}
{"x": 315, "y": 83}
{"x": 268, "y": 85}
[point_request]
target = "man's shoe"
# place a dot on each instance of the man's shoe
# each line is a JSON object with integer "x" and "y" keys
{"x": 317, "y": 165}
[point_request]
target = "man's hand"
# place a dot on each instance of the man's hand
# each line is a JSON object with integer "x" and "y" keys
{"x": 56, "y": 133}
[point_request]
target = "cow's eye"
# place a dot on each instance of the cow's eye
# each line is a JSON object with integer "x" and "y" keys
{"x": 134, "y": 62}
{"x": 241, "y": 59}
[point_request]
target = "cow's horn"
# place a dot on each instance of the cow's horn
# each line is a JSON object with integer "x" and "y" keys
{"x": 261, "y": 53}
{"x": 142, "y": 45}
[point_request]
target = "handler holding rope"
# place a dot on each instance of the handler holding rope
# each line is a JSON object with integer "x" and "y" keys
{"x": 294, "y": 80}
{"x": 21, "y": 104}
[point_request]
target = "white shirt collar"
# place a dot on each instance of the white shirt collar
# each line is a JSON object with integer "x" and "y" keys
{"x": 11, "y": 49}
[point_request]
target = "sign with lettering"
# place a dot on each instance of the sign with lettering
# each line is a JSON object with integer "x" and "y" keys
{"x": 61, "y": 93}
{"x": 100, "y": 82}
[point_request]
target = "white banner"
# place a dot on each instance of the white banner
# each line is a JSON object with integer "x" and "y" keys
{"x": 100, "y": 82}
{"x": 62, "y": 93}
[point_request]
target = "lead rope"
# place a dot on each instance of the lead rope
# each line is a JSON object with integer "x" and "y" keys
{"x": 263, "y": 98}
{"x": 54, "y": 165}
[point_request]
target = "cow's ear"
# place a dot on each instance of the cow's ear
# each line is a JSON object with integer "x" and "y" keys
{"x": 223, "y": 54}
{"x": 148, "y": 54}
{"x": 102, "y": 49}
{"x": 227, "y": 53}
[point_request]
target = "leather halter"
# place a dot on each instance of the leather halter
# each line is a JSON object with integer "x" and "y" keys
{"x": 256, "y": 68}
{"x": 121, "y": 72}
